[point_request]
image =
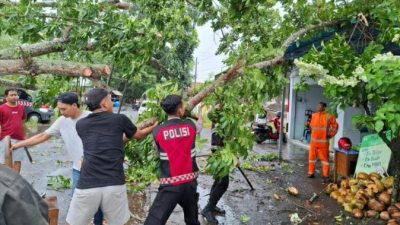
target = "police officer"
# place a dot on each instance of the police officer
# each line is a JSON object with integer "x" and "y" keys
{"x": 175, "y": 141}
{"x": 220, "y": 185}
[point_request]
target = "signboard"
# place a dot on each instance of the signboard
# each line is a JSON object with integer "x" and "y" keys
{"x": 374, "y": 155}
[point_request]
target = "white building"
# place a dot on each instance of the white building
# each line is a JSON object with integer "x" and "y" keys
{"x": 299, "y": 102}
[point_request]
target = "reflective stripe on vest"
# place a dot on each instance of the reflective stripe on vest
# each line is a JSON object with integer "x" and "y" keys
{"x": 183, "y": 177}
{"x": 319, "y": 140}
{"x": 164, "y": 156}
{"x": 318, "y": 128}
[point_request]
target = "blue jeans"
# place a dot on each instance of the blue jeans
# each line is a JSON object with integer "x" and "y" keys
{"x": 98, "y": 217}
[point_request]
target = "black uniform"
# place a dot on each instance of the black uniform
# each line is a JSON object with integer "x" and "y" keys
{"x": 175, "y": 141}
{"x": 219, "y": 186}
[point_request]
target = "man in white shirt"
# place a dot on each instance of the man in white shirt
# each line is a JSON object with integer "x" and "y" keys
{"x": 64, "y": 126}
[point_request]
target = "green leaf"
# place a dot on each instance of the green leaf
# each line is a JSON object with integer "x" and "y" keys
{"x": 379, "y": 125}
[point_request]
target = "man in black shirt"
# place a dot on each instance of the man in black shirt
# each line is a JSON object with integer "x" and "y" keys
{"x": 19, "y": 202}
{"x": 102, "y": 181}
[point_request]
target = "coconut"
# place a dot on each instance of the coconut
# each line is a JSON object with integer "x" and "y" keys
{"x": 330, "y": 188}
{"x": 384, "y": 215}
{"x": 392, "y": 209}
{"x": 335, "y": 194}
{"x": 380, "y": 186}
{"x": 385, "y": 198}
{"x": 396, "y": 215}
{"x": 344, "y": 184}
{"x": 362, "y": 176}
{"x": 343, "y": 191}
{"x": 341, "y": 199}
{"x": 374, "y": 189}
{"x": 354, "y": 189}
{"x": 371, "y": 213}
{"x": 376, "y": 175}
{"x": 376, "y": 205}
{"x": 293, "y": 191}
{"x": 370, "y": 193}
{"x": 349, "y": 198}
{"x": 359, "y": 205}
{"x": 348, "y": 207}
{"x": 353, "y": 181}
{"x": 358, "y": 213}
{"x": 388, "y": 181}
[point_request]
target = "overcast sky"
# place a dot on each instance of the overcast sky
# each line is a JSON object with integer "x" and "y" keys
{"x": 208, "y": 63}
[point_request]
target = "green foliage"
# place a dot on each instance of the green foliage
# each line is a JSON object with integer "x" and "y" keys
{"x": 59, "y": 182}
{"x": 234, "y": 114}
{"x": 245, "y": 219}
{"x": 368, "y": 80}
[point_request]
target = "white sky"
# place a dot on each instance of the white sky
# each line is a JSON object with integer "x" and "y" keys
{"x": 207, "y": 62}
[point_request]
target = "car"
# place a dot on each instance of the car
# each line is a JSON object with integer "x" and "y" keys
{"x": 135, "y": 106}
{"x": 143, "y": 106}
{"x": 42, "y": 114}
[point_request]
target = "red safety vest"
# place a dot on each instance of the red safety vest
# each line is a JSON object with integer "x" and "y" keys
{"x": 175, "y": 141}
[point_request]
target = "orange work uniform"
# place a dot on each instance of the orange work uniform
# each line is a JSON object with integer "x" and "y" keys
{"x": 323, "y": 126}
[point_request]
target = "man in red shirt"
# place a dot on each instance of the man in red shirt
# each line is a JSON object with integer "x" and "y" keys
{"x": 12, "y": 117}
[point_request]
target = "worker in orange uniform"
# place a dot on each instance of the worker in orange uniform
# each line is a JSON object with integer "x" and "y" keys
{"x": 323, "y": 127}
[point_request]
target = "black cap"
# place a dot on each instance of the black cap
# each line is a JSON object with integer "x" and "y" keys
{"x": 94, "y": 97}
{"x": 68, "y": 98}
{"x": 171, "y": 103}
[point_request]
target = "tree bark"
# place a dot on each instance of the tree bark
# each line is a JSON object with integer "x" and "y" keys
{"x": 32, "y": 50}
{"x": 36, "y": 67}
{"x": 394, "y": 168}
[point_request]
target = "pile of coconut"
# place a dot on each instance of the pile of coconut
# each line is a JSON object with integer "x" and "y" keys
{"x": 367, "y": 195}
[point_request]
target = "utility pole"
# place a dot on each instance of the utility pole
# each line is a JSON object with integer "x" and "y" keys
{"x": 195, "y": 73}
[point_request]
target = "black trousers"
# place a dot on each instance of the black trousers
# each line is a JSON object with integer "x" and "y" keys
{"x": 168, "y": 197}
{"x": 218, "y": 189}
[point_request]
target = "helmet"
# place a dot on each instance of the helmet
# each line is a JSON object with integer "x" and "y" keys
{"x": 278, "y": 114}
{"x": 345, "y": 143}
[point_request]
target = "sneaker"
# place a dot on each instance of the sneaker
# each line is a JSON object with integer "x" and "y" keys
{"x": 209, "y": 216}
{"x": 219, "y": 210}
{"x": 310, "y": 175}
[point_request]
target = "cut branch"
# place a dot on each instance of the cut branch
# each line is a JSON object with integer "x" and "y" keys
{"x": 64, "y": 68}
{"x": 11, "y": 83}
{"x": 42, "y": 48}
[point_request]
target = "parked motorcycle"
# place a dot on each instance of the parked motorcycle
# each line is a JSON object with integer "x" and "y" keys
{"x": 263, "y": 131}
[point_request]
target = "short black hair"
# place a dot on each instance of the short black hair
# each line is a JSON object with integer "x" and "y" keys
{"x": 68, "y": 98}
{"x": 94, "y": 97}
{"x": 10, "y": 89}
{"x": 323, "y": 104}
{"x": 171, "y": 103}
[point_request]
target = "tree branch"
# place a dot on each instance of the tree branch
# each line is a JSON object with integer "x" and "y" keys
{"x": 37, "y": 49}
{"x": 64, "y": 68}
{"x": 11, "y": 83}
{"x": 238, "y": 69}
{"x": 382, "y": 134}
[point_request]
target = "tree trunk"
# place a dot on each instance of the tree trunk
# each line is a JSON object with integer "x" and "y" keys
{"x": 394, "y": 168}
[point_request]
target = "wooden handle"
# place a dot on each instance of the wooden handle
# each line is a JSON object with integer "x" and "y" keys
{"x": 8, "y": 160}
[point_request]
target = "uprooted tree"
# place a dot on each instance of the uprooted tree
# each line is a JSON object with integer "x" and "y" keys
{"x": 84, "y": 38}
